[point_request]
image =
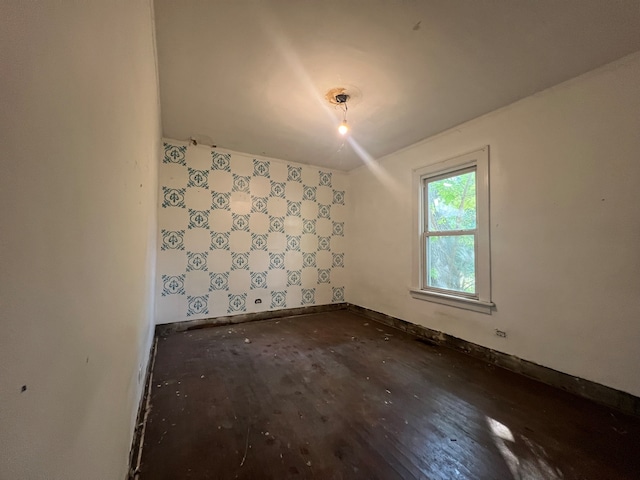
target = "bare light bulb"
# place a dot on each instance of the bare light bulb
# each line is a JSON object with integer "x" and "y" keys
{"x": 343, "y": 128}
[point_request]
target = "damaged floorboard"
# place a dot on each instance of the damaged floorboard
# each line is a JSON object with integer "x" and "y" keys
{"x": 337, "y": 396}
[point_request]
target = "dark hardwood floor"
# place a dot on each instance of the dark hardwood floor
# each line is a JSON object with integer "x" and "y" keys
{"x": 337, "y": 396}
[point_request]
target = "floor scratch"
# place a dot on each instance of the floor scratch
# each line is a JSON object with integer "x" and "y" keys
{"x": 246, "y": 448}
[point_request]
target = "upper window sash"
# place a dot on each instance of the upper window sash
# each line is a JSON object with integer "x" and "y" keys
{"x": 432, "y": 179}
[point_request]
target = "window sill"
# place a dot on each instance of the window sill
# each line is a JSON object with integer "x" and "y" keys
{"x": 453, "y": 301}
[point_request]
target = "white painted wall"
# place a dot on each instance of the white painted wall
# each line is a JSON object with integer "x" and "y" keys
{"x": 565, "y": 228}
{"x": 80, "y": 136}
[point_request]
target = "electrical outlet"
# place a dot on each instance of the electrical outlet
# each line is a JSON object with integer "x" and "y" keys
{"x": 258, "y": 300}
{"x": 501, "y": 333}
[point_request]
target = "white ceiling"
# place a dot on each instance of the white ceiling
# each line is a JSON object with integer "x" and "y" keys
{"x": 251, "y": 76}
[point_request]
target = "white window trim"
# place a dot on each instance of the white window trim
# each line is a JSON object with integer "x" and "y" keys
{"x": 482, "y": 301}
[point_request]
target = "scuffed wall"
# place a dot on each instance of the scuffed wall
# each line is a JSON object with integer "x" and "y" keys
{"x": 236, "y": 230}
{"x": 80, "y": 136}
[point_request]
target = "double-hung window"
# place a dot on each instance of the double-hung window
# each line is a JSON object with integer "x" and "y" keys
{"x": 452, "y": 239}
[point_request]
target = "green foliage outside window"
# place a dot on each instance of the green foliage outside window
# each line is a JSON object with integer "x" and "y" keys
{"x": 451, "y": 222}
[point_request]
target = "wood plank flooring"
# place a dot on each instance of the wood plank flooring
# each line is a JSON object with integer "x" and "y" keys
{"x": 337, "y": 396}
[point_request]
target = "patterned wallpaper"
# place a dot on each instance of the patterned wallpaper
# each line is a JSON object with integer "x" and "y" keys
{"x": 239, "y": 234}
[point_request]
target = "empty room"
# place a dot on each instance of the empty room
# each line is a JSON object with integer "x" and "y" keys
{"x": 278, "y": 239}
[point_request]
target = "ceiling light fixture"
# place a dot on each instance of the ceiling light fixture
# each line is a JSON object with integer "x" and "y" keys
{"x": 341, "y": 100}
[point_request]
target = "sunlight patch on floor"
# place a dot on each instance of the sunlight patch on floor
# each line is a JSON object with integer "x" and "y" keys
{"x": 526, "y": 460}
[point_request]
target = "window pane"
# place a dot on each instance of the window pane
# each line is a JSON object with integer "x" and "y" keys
{"x": 451, "y": 263}
{"x": 452, "y": 203}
